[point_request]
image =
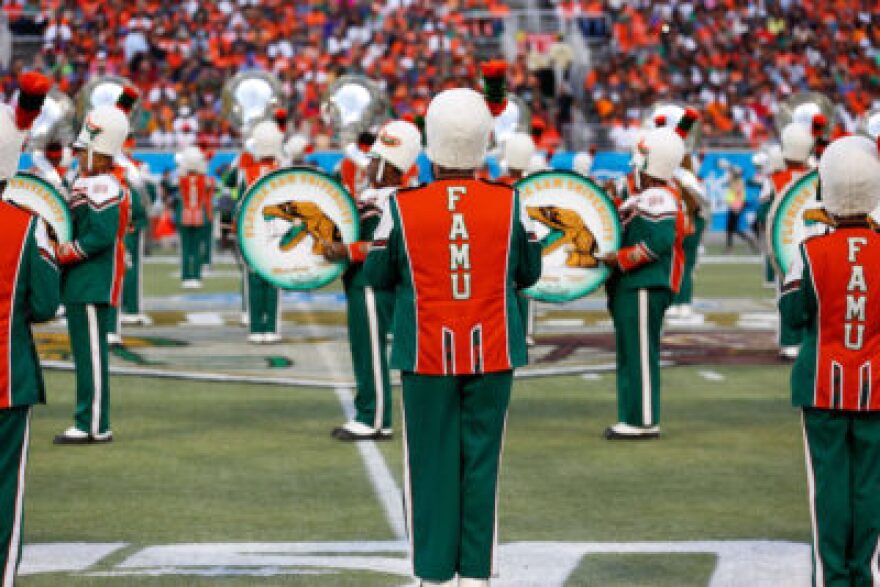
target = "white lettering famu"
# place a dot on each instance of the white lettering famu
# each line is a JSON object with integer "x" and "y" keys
{"x": 856, "y": 298}
{"x": 459, "y": 252}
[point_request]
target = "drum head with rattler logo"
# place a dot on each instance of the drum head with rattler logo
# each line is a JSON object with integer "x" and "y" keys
{"x": 284, "y": 220}
{"x": 575, "y": 221}
{"x": 786, "y": 224}
{"x": 42, "y": 198}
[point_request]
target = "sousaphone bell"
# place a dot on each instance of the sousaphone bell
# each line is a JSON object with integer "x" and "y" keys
{"x": 802, "y": 108}
{"x": 249, "y": 97}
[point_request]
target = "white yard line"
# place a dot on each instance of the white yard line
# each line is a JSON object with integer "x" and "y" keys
{"x": 383, "y": 482}
{"x": 387, "y": 491}
{"x": 711, "y": 376}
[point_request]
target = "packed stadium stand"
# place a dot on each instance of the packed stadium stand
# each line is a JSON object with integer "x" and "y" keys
{"x": 586, "y": 68}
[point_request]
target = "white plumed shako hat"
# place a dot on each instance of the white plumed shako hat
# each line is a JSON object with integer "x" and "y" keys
{"x": 518, "y": 151}
{"x": 267, "y": 140}
{"x": 399, "y": 143}
{"x": 797, "y": 142}
{"x": 458, "y": 124}
{"x": 582, "y": 163}
{"x": 104, "y": 131}
{"x": 849, "y": 172}
{"x": 659, "y": 153}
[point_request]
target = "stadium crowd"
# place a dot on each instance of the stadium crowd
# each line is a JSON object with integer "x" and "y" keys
{"x": 734, "y": 60}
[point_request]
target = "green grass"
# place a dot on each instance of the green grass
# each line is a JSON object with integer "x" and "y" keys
{"x": 200, "y": 462}
{"x": 729, "y": 466}
{"x": 731, "y": 281}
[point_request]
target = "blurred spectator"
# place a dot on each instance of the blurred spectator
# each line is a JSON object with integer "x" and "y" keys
{"x": 733, "y": 60}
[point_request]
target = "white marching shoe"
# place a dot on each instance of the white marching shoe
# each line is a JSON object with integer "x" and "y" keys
{"x": 256, "y": 338}
{"x": 271, "y": 338}
{"x": 136, "y": 320}
{"x": 191, "y": 284}
{"x": 789, "y": 352}
{"x": 114, "y": 338}
{"x": 245, "y": 319}
{"x": 465, "y": 582}
{"x": 624, "y": 431}
{"x": 426, "y": 583}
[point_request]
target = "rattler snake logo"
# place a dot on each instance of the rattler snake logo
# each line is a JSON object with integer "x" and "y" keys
{"x": 306, "y": 219}
{"x": 566, "y": 228}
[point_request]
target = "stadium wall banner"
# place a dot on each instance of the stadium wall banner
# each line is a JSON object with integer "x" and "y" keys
{"x": 606, "y": 165}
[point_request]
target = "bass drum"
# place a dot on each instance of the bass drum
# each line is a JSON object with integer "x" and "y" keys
{"x": 787, "y": 226}
{"x": 575, "y": 221}
{"x": 41, "y": 197}
{"x": 284, "y": 220}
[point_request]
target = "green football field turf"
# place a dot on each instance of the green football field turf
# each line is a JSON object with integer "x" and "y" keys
{"x": 197, "y": 462}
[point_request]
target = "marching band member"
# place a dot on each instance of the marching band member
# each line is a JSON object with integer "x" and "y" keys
{"x": 519, "y": 149}
{"x": 768, "y": 161}
{"x": 370, "y": 309}
{"x": 128, "y": 176}
{"x": 647, "y": 272}
{"x": 129, "y": 310}
{"x": 830, "y": 292}
{"x": 93, "y": 266}
{"x": 797, "y": 147}
{"x": 693, "y": 194}
{"x": 456, "y": 251}
{"x": 352, "y": 169}
{"x": 52, "y": 166}
{"x": 30, "y": 279}
{"x": 264, "y": 307}
{"x": 195, "y": 194}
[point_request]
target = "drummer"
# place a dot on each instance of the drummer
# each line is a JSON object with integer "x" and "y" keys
{"x": 519, "y": 149}
{"x": 797, "y": 147}
{"x": 369, "y": 309}
{"x": 646, "y": 274}
{"x": 263, "y": 298}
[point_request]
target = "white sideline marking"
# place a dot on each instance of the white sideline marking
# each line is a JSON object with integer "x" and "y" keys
{"x": 740, "y": 563}
{"x": 64, "y": 557}
{"x": 204, "y": 319}
{"x": 711, "y": 375}
{"x": 380, "y": 476}
{"x": 591, "y": 377}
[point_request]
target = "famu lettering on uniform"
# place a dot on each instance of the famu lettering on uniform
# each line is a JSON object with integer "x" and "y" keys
{"x": 459, "y": 252}
{"x": 856, "y": 297}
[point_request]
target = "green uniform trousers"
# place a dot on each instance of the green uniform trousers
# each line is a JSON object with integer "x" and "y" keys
{"x": 207, "y": 244}
{"x": 14, "y": 437}
{"x": 843, "y": 477}
{"x": 769, "y": 271}
{"x": 263, "y": 305}
{"x": 370, "y": 312}
{"x": 691, "y": 246}
{"x": 453, "y": 435}
{"x": 788, "y": 335}
{"x": 88, "y": 325}
{"x": 191, "y": 252}
{"x": 638, "y": 325}
{"x": 524, "y": 304}
{"x": 132, "y": 283}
